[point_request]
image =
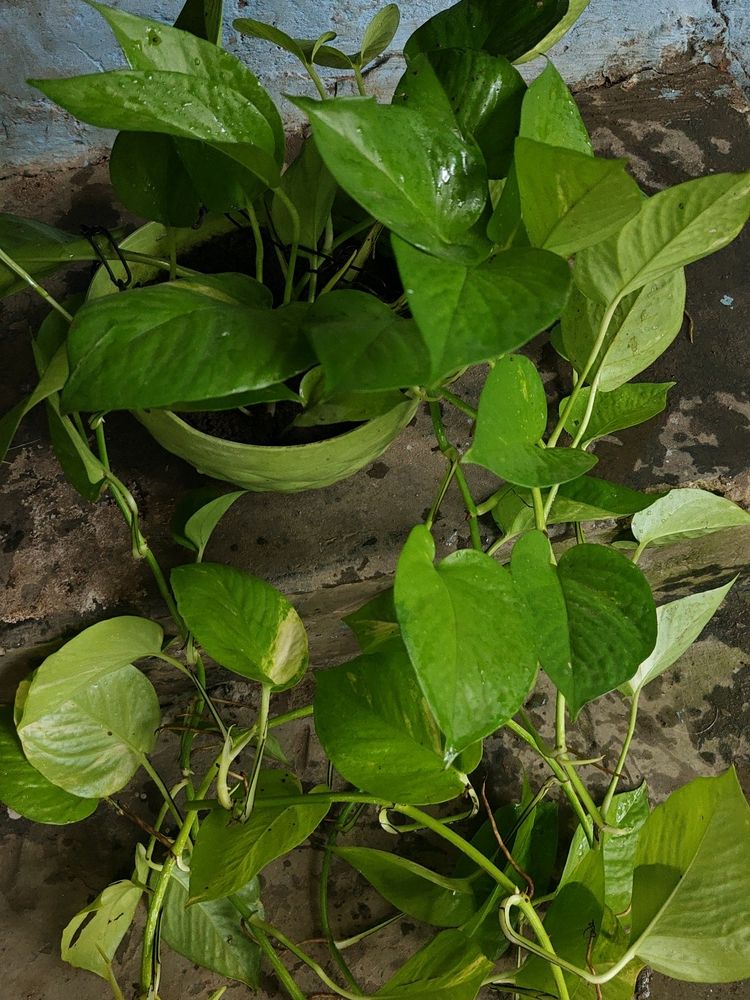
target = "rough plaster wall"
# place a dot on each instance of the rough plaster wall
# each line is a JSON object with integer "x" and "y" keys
{"x": 613, "y": 39}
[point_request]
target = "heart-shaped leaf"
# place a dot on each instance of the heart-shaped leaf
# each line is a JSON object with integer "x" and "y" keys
{"x": 472, "y": 314}
{"x": 425, "y": 182}
{"x": 679, "y": 624}
{"x": 475, "y": 671}
{"x": 686, "y": 513}
{"x": 692, "y": 877}
{"x": 228, "y": 853}
{"x": 377, "y": 728}
{"x": 511, "y": 421}
{"x": 613, "y": 411}
{"x": 242, "y": 622}
{"x": 197, "y": 514}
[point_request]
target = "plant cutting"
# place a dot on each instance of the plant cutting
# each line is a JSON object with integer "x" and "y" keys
{"x": 483, "y": 196}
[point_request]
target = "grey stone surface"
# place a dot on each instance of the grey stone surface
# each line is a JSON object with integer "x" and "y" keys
{"x": 65, "y": 564}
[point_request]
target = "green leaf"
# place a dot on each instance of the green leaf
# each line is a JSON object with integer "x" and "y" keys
{"x": 38, "y": 249}
{"x": 425, "y": 182}
{"x": 270, "y": 33}
{"x": 24, "y": 790}
{"x": 186, "y": 344}
{"x": 506, "y": 228}
{"x": 611, "y": 623}
{"x": 575, "y": 9}
{"x": 228, "y": 853}
{"x": 231, "y": 287}
{"x": 643, "y": 326}
{"x": 375, "y": 622}
{"x": 480, "y": 93}
{"x": 93, "y": 936}
{"x": 679, "y": 624}
{"x": 150, "y": 179}
{"x": 363, "y": 345}
{"x": 242, "y": 622}
{"x": 617, "y": 410}
{"x": 309, "y": 185}
{"x": 268, "y": 394}
{"x": 571, "y": 200}
{"x": 536, "y": 579}
{"x": 472, "y": 314}
{"x": 377, "y": 728}
{"x": 322, "y": 407}
{"x": 691, "y": 889}
{"x": 470, "y": 690}
{"x": 379, "y": 33}
{"x": 500, "y": 27}
{"x": 202, "y": 18}
{"x": 550, "y": 114}
{"x": 672, "y": 229}
{"x": 79, "y": 465}
{"x": 512, "y": 419}
{"x": 197, "y": 514}
{"x": 450, "y": 967}
{"x": 52, "y": 379}
{"x": 414, "y": 889}
{"x": 209, "y": 933}
{"x": 686, "y": 513}
{"x": 583, "y": 499}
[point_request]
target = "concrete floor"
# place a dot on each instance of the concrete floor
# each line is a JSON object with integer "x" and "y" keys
{"x": 66, "y": 564}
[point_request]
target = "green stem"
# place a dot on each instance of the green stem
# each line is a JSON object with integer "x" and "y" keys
{"x": 294, "y": 249}
{"x": 296, "y": 713}
{"x": 258, "y": 237}
{"x": 165, "y": 793}
{"x": 262, "y": 730}
{"x": 561, "y": 741}
{"x": 365, "y": 251}
{"x": 538, "y": 928}
{"x": 200, "y": 687}
{"x": 450, "y": 472}
{"x": 539, "y": 519}
{"x": 459, "y": 403}
{"x": 303, "y": 957}
{"x": 282, "y": 973}
{"x": 360, "y": 81}
{"x": 313, "y": 74}
{"x": 623, "y": 753}
{"x": 357, "y": 938}
{"x": 325, "y": 872}
{"x": 452, "y": 456}
{"x": 172, "y": 252}
{"x": 25, "y": 276}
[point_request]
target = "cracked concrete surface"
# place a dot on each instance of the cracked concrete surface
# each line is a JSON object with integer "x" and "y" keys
{"x": 65, "y": 564}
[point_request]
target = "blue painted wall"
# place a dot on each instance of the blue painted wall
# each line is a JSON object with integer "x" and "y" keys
{"x": 613, "y": 39}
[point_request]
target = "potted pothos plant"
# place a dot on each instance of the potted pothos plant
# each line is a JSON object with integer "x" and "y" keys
{"x": 483, "y": 198}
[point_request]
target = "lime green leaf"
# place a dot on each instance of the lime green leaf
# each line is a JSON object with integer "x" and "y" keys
{"x": 450, "y": 967}
{"x": 691, "y": 889}
{"x": 425, "y": 182}
{"x": 197, "y": 514}
{"x": 414, "y": 889}
{"x": 550, "y": 114}
{"x": 570, "y": 200}
{"x": 229, "y": 853}
{"x": 512, "y": 419}
{"x": 470, "y": 689}
{"x": 242, "y": 622}
{"x": 686, "y": 513}
{"x": 209, "y": 933}
{"x": 614, "y": 411}
{"x": 26, "y": 791}
{"x": 375, "y": 622}
{"x": 377, "y": 728}
{"x": 379, "y": 33}
{"x": 678, "y": 626}
{"x": 575, "y": 9}
{"x": 93, "y": 936}
{"x": 472, "y": 314}
{"x": 310, "y": 186}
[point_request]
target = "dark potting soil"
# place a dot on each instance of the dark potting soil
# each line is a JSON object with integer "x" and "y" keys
{"x": 264, "y": 424}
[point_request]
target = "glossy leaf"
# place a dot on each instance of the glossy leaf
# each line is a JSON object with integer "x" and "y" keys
{"x": 186, "y": 343}
{"x": 375, "y": 622}
{"x": 500, "y": 27}
{"x": 511, "y": 421}
{"x": 414, "y": 889}
{"x": 679, "y": 624}
{"x": 323, "y": 408}
{"x": 38, "y": 249}
{"x": 467, "y": 315}
{"x": 24, "y": 790}
{"x": 228, "y": 853}
{"x": 626, "y": 406}
{"x": 253, "y": 397}
{"x": 672, "y": 229}
{"x": 52, "y": 379}
{"x": 570, "y": 200}
{"x": 363, "y": 345}
{"x": 643, "y": 326}
{"x": 379, "y": 33}
{"x": 150, "y": 179}
{"x": 691, "y": 888}
{"x": 480, "y": 93}
{"x": 575, "y": 9}
{"x": 377, "y": 728}
{"x": 583, "y": 499}
{"x": 450, "y": 967}
{"x": 686, "y": 513}
{"x": 425, "y": 182}
{"x": 242, "y": 622}
{"x": 202, "y": 18}
{"x": 93, "y": 936}
{"x": 197, "y": 514}
{"x": 475, "y": 671}
{"x": 506, "y": 228}
{"x": 550, "y": 114}
{"x": 309, "y": 185}
{"x": 536, "y": 579}
{"x": 231, "y": 287}
{"x": 209, "y": 932}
